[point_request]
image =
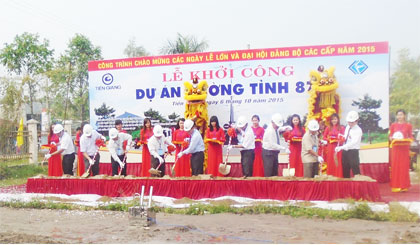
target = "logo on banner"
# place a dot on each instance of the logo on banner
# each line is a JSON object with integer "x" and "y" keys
{"x": 358, "y": 67}
{"x": 107, "y": 79}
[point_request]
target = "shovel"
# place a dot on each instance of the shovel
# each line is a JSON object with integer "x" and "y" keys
{"x": 87, "y": 173}
{"x": 288, "y": 171}
{"x": 156, "y": 171}
{"x": 176, "y": 160}
{"x": 223, "y": 167}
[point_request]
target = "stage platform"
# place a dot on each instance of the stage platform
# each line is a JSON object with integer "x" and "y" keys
{"x": 293, "y": 189}
{"x": 377, "y": 171}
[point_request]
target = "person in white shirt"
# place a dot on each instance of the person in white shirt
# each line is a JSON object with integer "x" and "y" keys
{"x": 195, "y": 148}
{"x": 246, "y": 142}
{"x": 89, "y": 148}
{"x": 157, "y": 145}
{"x": 271, "y": 145}
{"x": 65, "y": 148}
{"x": 117, "y": 151}
{"x": 353, "y": 136}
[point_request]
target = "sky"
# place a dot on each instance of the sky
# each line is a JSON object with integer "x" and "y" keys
{"x": 225, "y": 25}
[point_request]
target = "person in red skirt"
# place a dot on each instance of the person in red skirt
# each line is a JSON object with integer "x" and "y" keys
{"x": 180, "y": 139}
{"x": 400, "y": 135}
{"x": 258, "y": 170}
{"x": 55, "y": 167}
{"x": 80, "y": 168}
{"x": 145, "y": 133}
{"x": 332, "y": 135}
{"x": 215, "y": 138}
{"x": 294, "y": 138}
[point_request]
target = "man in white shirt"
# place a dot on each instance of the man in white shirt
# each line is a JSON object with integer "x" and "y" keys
{"x": 246, "y": 142}
{"x": 117, "y": 151}
{"x": 195, "y": 148}
{"x": 89, "y": 148}
{"x": 157, "y": 145}
{"x": 353, "y": 136}
{"x": 65, "y": 148}
{"x": 271, "y": 145}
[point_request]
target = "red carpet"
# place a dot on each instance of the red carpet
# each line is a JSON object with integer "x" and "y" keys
{"x": 412, "y": 195}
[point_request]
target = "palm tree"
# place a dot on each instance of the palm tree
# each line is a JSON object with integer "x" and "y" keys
{"x": 184, "y": 44}
{"x": 132, "y": 50}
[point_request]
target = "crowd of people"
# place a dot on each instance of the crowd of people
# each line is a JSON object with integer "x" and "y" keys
{"x": 337, "y": 146}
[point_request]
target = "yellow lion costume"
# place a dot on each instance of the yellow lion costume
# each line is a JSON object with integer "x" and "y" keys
{"x": 196, "y": 105}
{"x": 324, "y": 100}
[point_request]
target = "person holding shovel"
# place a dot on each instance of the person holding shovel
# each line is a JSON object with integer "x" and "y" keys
{"x": 310, "y": 144}
{"x": 65, "y": 148}
{"x": 90, "y": 149}
{"x": 271, "y": 146}
{"x": 195, "y": 148}
{"x": 246, "y": 142}
{"x": 117, "y": 151}
{"x": 215, "y": 138}
{"x": 353, "y": 137}
{"x": 158, "y": 150}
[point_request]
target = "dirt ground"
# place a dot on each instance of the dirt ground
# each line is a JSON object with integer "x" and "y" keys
{"x": 64, "y": 226}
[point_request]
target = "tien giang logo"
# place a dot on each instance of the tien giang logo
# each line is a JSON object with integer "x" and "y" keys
{"x": 358, "y": 67}
{"x": 107, "y": 80}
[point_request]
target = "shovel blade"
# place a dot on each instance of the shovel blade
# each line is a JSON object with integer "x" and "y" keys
{"x": 292, "y": 172}
{"x": 154, "y": 171}
{"x": 286, "y": 172}
{"x": 335, "y": 159}
{"x": 86, "y": 174}
{"x": 224, "y": 168}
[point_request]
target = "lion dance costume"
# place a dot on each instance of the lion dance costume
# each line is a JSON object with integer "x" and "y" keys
{"x": 196, "y": 107}
{"x": 324, "y": 100}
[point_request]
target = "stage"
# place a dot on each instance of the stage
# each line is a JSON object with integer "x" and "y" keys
{"x": 286, "y": 189}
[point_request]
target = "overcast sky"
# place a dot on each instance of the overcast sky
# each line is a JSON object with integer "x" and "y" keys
{"x": 226, "y": 25}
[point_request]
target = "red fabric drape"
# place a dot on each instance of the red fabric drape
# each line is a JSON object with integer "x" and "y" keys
{"x": 198, "y": 189}
{"x": 258, "y": 169}
{"x": 377, "y": 171}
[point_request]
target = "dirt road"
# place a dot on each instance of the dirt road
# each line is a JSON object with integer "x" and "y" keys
{"x": 64, "y": 226}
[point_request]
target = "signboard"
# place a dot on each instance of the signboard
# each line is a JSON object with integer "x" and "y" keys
{"x": 242, "y": 82}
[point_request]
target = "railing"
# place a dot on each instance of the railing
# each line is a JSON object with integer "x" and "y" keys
{"x": 9, "y": 148}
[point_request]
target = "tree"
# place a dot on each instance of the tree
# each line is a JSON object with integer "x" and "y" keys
{"x": 132, "y": 50}
{"x": 154, "y": 115}
{"x": 368, "y": 118}
{"x": 28, "y": 57}
{"x": 405, "y": 87}
{"x": 184, "y": 44}
{"x": 11, "y": 99}
{"x": 104, "y": 111}
{"x": 70, "y": 77}
{"x": 173, "y": 116}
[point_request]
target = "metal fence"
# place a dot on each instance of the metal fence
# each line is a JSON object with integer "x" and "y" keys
{"x": 9, "y": 149}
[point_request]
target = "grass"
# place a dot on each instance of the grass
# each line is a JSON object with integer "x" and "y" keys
{"x": 12, "y": 173}
{"x": 397, "y": 213}
{"x": 375, "y": 137}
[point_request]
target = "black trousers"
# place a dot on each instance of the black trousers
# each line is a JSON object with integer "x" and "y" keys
{"x": 350, "y": 160}
{"x": 67, "y": 163}
{"x": 197, "y": 163}
{"x": 95, "y": 167}
{"x": 154, "y": 162}
{"x": 247, "y": 162}
{"x": 116, "y": 166}
{"x": 271, "y": 162}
